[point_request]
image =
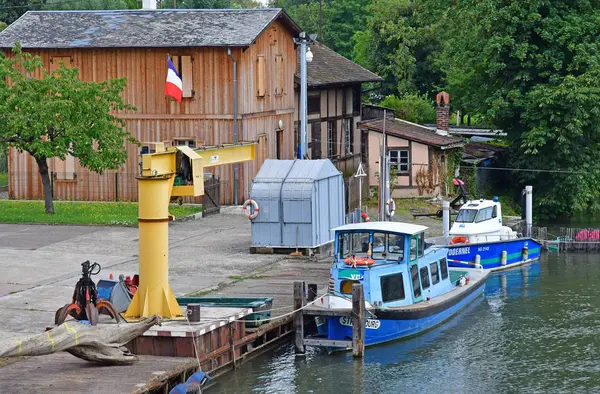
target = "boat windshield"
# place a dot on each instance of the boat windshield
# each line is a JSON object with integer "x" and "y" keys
{"x": 466, "y": 216}
{"x": 353, "y": 244}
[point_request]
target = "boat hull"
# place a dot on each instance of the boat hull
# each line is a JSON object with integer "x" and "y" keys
{"x": 490, "y": 253}
{"x": 389, "y": 325}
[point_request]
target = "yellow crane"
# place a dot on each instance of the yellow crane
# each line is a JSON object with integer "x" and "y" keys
{"x": 157, "y": 186}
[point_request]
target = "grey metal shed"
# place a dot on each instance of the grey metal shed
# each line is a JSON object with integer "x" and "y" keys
{"x": 299, "y": 202}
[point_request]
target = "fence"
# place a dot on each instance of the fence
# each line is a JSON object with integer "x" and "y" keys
{"x": 348, "y": 166}
{"x": 83, "y": 186}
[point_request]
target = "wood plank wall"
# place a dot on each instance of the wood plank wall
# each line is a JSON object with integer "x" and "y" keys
{"x": 208, "y": 116}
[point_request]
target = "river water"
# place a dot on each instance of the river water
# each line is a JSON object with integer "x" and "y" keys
{"x": 535, "y": 331}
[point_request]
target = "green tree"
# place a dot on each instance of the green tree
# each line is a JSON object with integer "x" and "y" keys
{"x": 57, "y": 114}
{"x": 11, "y": 10}
{"x": 412, "y": 107}
{"x": 91, "y": 4}
{"x": 532, "y": 69}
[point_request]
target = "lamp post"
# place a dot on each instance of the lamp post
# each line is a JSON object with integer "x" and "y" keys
{"x": 306, "y": 56}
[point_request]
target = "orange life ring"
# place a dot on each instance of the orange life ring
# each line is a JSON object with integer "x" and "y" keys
{"x": 459, "y": 240}
{"x": 365, "y": 216}
{"x": 359, "y": 261}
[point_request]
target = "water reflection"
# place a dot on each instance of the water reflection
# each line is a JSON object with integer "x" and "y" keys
{"x": 536, "y": 330}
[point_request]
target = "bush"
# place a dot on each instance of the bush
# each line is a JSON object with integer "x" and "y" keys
{"x": 411, "y": 107}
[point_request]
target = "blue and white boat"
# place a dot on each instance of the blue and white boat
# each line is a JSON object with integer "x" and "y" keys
{"x": 408, "y": 289}
{"x": 478, "y": 238}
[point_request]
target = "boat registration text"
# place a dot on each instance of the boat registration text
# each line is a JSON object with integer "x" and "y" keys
{"x": 371, "y": 324}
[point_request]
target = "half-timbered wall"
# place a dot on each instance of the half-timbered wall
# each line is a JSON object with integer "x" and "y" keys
{"x": 206, "y": 117}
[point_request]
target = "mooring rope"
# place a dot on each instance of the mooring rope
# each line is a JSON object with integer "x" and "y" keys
{"x": 285, "y": 314}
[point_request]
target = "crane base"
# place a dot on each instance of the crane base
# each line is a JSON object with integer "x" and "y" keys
{"x": 167, "y": 307}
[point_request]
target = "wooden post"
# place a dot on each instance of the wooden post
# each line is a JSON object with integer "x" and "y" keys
{"x": 299, "y": 316}
{"x": 232, "y": 342}
{"x": 358, "y": 320}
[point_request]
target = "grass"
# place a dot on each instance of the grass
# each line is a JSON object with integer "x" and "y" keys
{"x": 3, "y": 178}
{"x": 405, "y": 205}
{"x": 83, "y": 213}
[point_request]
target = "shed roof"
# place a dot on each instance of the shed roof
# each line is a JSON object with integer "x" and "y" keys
{"x": 396, "y": 227}
{"x": 295, "y": 170}
{"x": 331, "y": 68}
{"x": 141, "y": 28}
{"x": 413, "y": 132}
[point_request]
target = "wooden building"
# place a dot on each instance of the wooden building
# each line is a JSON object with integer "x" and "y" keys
{"x": 135, "y": 44}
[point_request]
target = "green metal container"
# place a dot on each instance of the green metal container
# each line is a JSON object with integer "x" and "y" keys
{"x": 261, "y": 307}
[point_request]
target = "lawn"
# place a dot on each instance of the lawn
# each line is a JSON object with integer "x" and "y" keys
{"x": 110, "y": 213}
{"x": 3, "y": 178}
{"x": 405, "y": 205}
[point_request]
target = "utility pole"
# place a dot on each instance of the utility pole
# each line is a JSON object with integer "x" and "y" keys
{"x": 306, "y": 56}
{"x": 383, "y": 172}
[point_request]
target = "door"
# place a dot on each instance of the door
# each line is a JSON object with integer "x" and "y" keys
{"x": 413, "y": 262}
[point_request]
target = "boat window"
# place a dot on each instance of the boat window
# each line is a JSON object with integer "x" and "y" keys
{"x": 495, "y": 212}
{"x": 466, "y": 215}
{"x": 421, "y": 244}
{"x": 424, "y": 277}
{"x": 346, "y": 286}
{"x": 414, "y": 273}
{"x": 379, "y": 246}
{"x": 356, "y": 244}
{"x": 392, "y": 288}
{"x": 444, "y": 268}
{"x": 484, "y": 214}
{"x": 413, "y": 248}
{"x": 435, "y": 273}
{"x": 396, "y": 246}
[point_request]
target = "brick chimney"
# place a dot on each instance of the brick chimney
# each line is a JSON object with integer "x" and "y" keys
{"x": 442, "y": 113}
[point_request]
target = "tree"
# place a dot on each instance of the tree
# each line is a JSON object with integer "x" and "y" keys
{"x": 412, "y": 107}
{"x": 56, "y": 114}
{"x": 532, "y": 69}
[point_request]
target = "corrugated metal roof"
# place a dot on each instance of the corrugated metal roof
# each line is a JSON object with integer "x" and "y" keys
{"x": 296, "y": 170}
{"x": 141, "y": 28}
{"x": 412, "y": 131}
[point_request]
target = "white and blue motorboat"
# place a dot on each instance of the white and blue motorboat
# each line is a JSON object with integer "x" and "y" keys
{"x": 408, "y": 289}
{"x": 478, "y": 238}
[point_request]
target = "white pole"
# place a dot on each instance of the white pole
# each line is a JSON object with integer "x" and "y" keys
{"x": 446, "y": 218}
{"x": 303, "y": 99}
{"x": 360, "y": 194}
{"x": 382, "y": 174}
{"x": 528, "y": 210}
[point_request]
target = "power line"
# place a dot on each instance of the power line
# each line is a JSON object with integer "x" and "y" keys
{"x": 525, "y": 170}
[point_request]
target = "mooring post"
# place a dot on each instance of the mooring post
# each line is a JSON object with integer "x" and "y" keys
{"x": 504, "y": 257}
{"x": 446, "y": 218}
{"x": 358, "y": 320}
{"x": 525, "y": 254}
{"x": 477, "y": 261}
{"x": 528, "y": 210}
{"x": 299, "y": 302}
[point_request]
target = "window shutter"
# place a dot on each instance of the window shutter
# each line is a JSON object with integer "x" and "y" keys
{"x": 56, "y": 60}
{"x": 279, "y": 72}
{"x": 187, "y": 76}
{"x": 260, "y": 75}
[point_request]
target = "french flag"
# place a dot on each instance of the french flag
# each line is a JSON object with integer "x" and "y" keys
{"x": 173, "y": 87}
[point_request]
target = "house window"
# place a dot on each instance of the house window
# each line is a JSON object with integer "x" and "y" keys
{"x": 356, "y": 101}
{"x": 63, "y": 169}
{"x": 313, "y": 103}
{"x": 392, "y": 288}
{"x": 364, "y": 146}
{"x": 279, "y": 142}
{"x": 184, "y": 142}
{"x": 424, "y": 277}
{"x": 435, "y": 273}
{"x": 349, "y": 136}
{"x": 183, "y": 65}
{"x": 444, "y": 268}
{"x": 414, "y": 273}
{"x": 279, "y": 71}
{"x": 400, "y": 159}
{"x": 413, "y": 248}
{"x": 260, "y": 75}
{"x": 315, "y": 140}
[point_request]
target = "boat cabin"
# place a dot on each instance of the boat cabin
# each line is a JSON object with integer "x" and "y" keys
{"x": 391, "y": 261}
{"x": 480, "y": 221}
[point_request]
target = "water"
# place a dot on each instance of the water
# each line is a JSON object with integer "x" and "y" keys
{"x": 535, "y": 331}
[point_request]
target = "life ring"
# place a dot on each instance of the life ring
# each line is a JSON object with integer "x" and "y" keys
{"x": 254, "y": 204}
{"x": 390, "y": 207}
{"x": 459, "y": 240}
{"x": 365, "y": 216}
{"x": 359, "y": 261}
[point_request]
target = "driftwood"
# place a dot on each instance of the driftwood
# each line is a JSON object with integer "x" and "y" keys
{"x": 101, "y": 344}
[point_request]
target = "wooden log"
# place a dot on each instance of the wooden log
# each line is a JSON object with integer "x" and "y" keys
{"x": 358, "y": 320}
{"x": 101, "y": 344}
{"x": 299, "y": 302}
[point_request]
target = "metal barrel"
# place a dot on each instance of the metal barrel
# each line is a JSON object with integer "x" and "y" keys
{"x": 193, "y": 313}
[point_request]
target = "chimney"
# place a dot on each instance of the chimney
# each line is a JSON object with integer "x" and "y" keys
{"x": 442, "y": 113}
{"x": 148, "y": 4}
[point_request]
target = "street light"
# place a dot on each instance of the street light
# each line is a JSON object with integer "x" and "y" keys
{"x": 306, "y": 56}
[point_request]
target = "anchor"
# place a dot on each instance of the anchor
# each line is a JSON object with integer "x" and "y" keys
{"x": 86, "y": 305}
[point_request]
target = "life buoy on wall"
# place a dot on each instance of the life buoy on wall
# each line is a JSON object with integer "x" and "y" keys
{"x": 359, "y": 261}
{"x": 390, "y": 207}
{"x": 459, "y": 240}
{"x": 251, "y": 215}
{"x": 365, "y": 216}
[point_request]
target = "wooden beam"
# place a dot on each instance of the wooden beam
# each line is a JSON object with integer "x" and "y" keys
{"x": 299, "y": 302}
{"x": 358, "y": 320}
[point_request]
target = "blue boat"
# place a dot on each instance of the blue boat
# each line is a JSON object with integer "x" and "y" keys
{"x": 408, "y": 289}
{"x": 478, "y": 238}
